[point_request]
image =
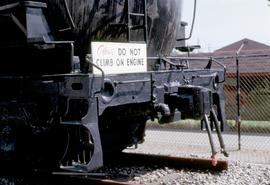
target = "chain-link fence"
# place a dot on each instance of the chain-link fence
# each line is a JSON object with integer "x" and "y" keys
{"x": 254, "y": 101}
{"x": 186, "y": 138}
{"x": 254, "y": 93}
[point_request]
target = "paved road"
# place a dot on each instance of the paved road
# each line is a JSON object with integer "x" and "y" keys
{"x": 255, "y": 149}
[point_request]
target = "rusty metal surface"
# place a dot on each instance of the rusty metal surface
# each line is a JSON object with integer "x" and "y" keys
{"x": 173, "y": 162}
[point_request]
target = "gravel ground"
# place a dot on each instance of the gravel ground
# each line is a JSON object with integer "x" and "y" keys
{"x": 238, "y": 173}
{"x": 243, "y": 167}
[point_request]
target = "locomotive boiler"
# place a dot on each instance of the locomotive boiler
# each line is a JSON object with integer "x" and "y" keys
{"x": 56, "y": 112}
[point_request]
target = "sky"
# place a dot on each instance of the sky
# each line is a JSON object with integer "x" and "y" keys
{"x": 222, "y": 22}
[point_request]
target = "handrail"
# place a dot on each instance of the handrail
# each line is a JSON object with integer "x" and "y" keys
{"x": 88, "y": 59}
{"x": 167, "y": 60}
{"x": 192, "y": 25}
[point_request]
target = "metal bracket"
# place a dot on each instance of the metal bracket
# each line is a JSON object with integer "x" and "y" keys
{"x": 90, "y": 121}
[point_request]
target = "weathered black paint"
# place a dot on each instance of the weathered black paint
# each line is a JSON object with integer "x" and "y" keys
{"x": 70, "y": 118}
{"x": 92, "y": 19}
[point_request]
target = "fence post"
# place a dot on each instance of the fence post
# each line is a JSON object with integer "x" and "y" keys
{"x": 238, "y": 119}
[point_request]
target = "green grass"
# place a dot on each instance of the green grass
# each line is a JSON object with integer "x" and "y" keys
{"x": 183, "y": 124}
{"x": 246, "y": 125}
{"x": 251, "y": 126}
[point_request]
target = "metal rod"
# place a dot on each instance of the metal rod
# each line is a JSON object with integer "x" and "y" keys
{"x": 89, "y": 58}
{"x": 19, "y": 24}
{"x": 207, "y": 126}
{"x": 220, "y": 138}
{"x": 145, "y": 22}
{"x": 242, "y": 56}
{"x": 192, "y": 24}
{"x": 132, "y": 81}
{"x": 9, "y": 6}
{"x": 238, "y": 118}
{"x": 238, "y": 87}
{"x": 137, "y": 14}
{"x": 128, "y": 21}
{"x": 71, "y": 21}
{"x": 182, "y": 58}
{"x": 213, "y": 58}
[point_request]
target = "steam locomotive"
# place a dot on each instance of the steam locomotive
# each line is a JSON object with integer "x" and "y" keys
{"x": 60, "y": 109}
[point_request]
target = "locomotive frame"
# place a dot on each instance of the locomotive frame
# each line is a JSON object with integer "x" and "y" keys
{"x": 59, "y": 117}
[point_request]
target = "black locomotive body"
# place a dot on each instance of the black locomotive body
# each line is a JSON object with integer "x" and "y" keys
{"x": 55, "y": 114}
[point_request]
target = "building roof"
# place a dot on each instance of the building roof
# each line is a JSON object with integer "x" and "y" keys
{"x": 257, "y": 62}
{"x": 249, "y": 45}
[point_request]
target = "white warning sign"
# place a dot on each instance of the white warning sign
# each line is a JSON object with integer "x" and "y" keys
{"x": 115, "y": 58}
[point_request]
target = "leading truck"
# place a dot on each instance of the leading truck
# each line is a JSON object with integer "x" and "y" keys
{"x": 80, "y": 78}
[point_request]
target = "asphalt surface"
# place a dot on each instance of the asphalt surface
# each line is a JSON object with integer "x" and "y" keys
{"x": 254, "y": 148}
